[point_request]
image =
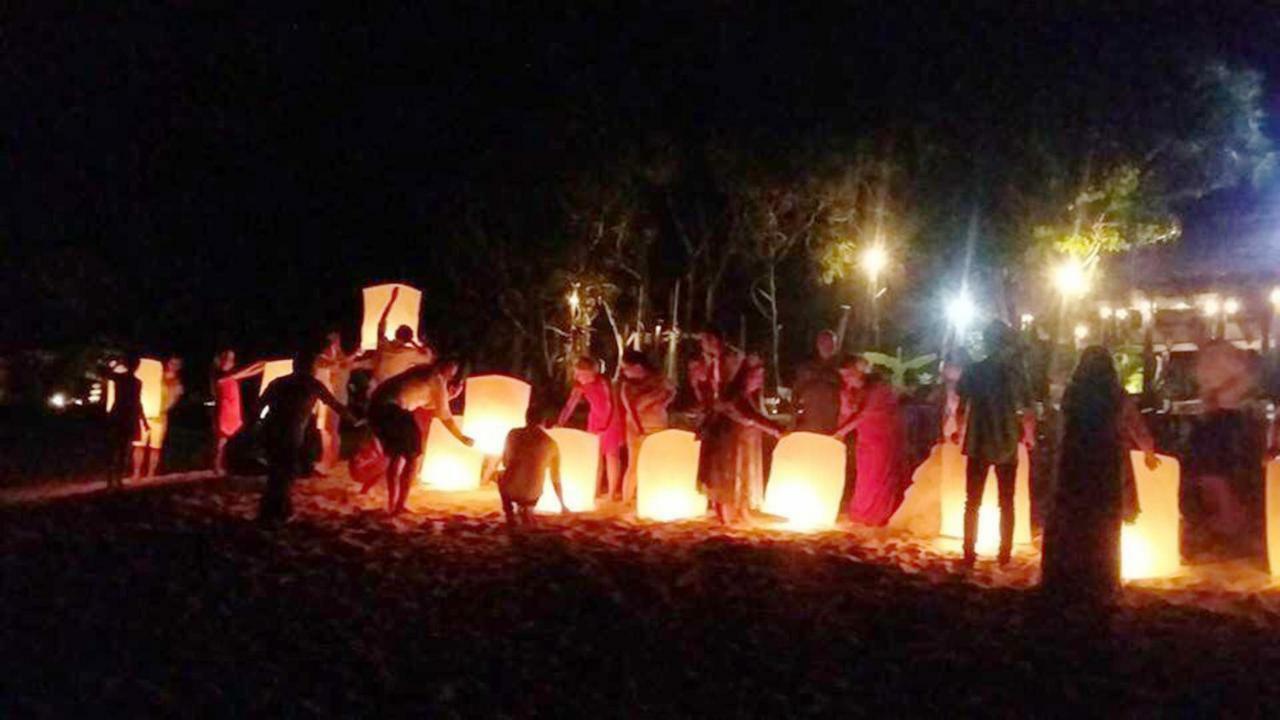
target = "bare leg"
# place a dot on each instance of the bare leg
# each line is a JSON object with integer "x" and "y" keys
{"x": 139, "y": 464}
{"x": 526, "y": 515}
{"x": 153, "y": 460}
{"x": 508, "y": 509}
{"x": 394, "y": 466}
{"x": 629, "y": 478}
{"x": 407, "y": 475}
{"x": 613, "y": 470}
{"x": 219, "y": 456}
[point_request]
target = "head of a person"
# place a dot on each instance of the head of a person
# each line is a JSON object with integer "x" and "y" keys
{"x": 404, "y": 334}
{"x": 585, "y": 370}
{"x": 304, "y": 359}
{"x": 636, "y": 365}
{"x": 333, "y": 338}
{"x": 131, "y": 361}
{"x": 448, "y": 369}
{"x": 225, "y": 360}
{"x": 854, "y": 371}
{"x": 825, "y": 344}
{"x": 953, "y": 367}
{"x": 1095, "y": 368}
{"x": 537, "y": 414}
{"x": 711, "y": 341}
{"x": 998, "y": 337}
{"x": 173, "y": 365}
{"x": 753, "y": 374}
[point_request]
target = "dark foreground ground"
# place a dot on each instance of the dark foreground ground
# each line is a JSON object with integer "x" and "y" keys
{"x": 169, "y": 601}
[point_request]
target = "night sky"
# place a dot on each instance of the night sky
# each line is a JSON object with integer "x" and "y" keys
{"x": 173, "y": 176}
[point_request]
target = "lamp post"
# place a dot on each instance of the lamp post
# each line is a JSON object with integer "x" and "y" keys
{"x": 874, "y": 259}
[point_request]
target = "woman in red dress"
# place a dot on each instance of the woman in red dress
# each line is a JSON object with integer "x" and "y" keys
{"x": 604, "y": 418}
{"x": 882, "y": 470}
{"x": 226, "y": 398}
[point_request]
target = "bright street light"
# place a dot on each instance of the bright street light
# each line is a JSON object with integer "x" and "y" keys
{"x": 1211, "y": 307}
{"x": 874, "y": 259}
{"x": 961, "y": 312}
{"x": 1070, "y": 278}
{"x": 1082, "y": 331}
{"x": 1231, "y": 306}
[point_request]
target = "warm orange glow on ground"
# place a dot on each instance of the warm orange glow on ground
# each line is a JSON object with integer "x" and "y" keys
{"x": 405, "y": 312}
{"x": 447, "y": 464}
{"x": 806, "y": 480}
{"x": 952, "y": 499}
{"x": 1149, "y": 547}
{"x": 579, "y": 468}
{"x": 494, "y": 405}
{"x": 1273, "y": 516}
{"x": 667, "y": 477}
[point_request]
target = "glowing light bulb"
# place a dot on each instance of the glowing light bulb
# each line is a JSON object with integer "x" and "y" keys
{"x": 1070, "y": 278}
{"x": 874, "y": 259}
{"x": 1105, "y": 312}
{"x": 1211, "y": 307}
{"x": 1082, "y": 331}
{"x": 1231, "y": 306}
{"x": 960, "y": 311}
{"x": 1122, "y": 314}
{"x": 58, "y": 400}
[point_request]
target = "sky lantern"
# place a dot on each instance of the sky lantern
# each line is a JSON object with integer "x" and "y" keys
{"x": 667, "y": 477}
{"x": 151, "y": 373}
{"x": 406, "y": 311}
{"x": 952, "y": 498}
{"x": 806, "y": 480}
{"x": 579, "y": 468}
{"x": 494, "y": 405}
{"x": 1149, "y": 547}
{"x": 274, "y": 370}
{"x": 447, "y": 464}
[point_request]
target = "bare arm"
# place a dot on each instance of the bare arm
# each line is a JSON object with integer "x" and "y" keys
{"x": 249, "y": 371}
{"x": 326, "y": 397}
{"x": 570, "y": 405}
{"x": 386, "y": 311}
{"x": 850, "y": 425}
{"x": 751, "y": 418}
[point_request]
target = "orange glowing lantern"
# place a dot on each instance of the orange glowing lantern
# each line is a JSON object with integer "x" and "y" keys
{"x": 494, "y": 405}
{"x": 1273, "y": 516}
{"x": 579, "y": 468}
{"x": 448, "y": 464}
{"x": 272, "y": 371}
{"x": 806, "y": 480}
{"x": 1149, "y": 546}
{"x": 952, "y": 497}
{"x": 150, "y": 373}
{"x": 405, "y": 312}
{"x": 667, "y": 477}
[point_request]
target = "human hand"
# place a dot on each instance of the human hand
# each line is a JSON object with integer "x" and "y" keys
{"x": 468, "y": 441}
{"x": 1151, "y": 460}
{"x": 395, "y": 292}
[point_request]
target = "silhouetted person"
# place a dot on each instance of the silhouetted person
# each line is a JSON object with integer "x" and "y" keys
{"x": 529, "y": 458}
{"x": 1081, "y": 559}
{"x": 997, "y": 412}
{"x": 391, "y": 414}
{"x": 817, "y": 388}
{"x": 289, "y": 405}
{"x": 126, "y": 421}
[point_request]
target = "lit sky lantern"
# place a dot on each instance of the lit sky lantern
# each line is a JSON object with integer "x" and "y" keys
{"x": 667, "y": 477}
{"x": 1149, "y": 546}
{"x": 579, "y": 468}
{"x": 806, "y": 480}
{"x": 1273, "y": 517}
{"x": 151, "y": 373}
{"x": 952, "y": 497}
{"x": 494, "y": 405}
{"x": 274, "y": 370}
{"x": 406, "y": 311}
{"x": 447, "y": 464}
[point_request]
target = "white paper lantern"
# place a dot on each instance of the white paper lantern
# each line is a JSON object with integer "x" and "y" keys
{"x": 447, "y": 463}
{"x": 667, "y": 477}
{"x": 495, "y": 404}
{"x": 806, "y": 480}
{"x": 579, "y": 468}
{"x": 1149, "y": 547}
{"x": 406, "y": 311}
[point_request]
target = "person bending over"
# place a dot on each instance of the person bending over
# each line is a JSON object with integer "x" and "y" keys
{"x": 288, "y": 411}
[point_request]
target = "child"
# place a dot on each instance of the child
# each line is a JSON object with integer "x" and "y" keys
{"x": 604, "y": 418}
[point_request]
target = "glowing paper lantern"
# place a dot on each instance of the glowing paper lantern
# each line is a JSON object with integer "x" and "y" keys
{"x": 448, "y": 464}
{"x": 1149, "y": 547}
{"x": 151, "y": 373}
{"x": 921, "y": 509}
{"x": 806, "y": 480}
{"x": 1273, "y": 515}
{"x": 667, "y": 477}
{"x": 579, "y": 468}
{"x": 953, "y": 492}
{"x": 495, "y": 405}
{"x": 274, "y": 370}
{"x": 405, "y": 312}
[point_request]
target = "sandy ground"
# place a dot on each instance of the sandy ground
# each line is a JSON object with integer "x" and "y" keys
{"x": 169, "y": 599}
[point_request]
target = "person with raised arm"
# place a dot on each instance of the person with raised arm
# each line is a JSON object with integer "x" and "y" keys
{"x": 227, "y": 414}
{"x": 397, "y": 355}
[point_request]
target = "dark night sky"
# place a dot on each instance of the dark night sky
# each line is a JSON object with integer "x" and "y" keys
{"x": 191, "y": 175}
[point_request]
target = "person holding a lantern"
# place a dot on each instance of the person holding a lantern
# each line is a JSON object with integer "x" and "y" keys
{"x": 171, "y": 390}
{"x": 603, "y": 419}
{"x": 882, "y": 471}
{"x": 288, "y": 406}
{"x": 645, "y": 394}
{"x": 226, "y": 396}
{"x": 817, "y": 388}
{"x": 730, "y": 460}
{"x": 996, "y": 413}
{"x": 393, "y": 357}
{"x": 391, "y": 414}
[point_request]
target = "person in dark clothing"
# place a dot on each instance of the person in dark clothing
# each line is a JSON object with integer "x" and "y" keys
{"x": 529, "y": 458}
{"x": 289, "y": 405}
{"x": 126, "y": 420}
{"x": 996, "y": 413}
{"x": 818, "y": 386}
